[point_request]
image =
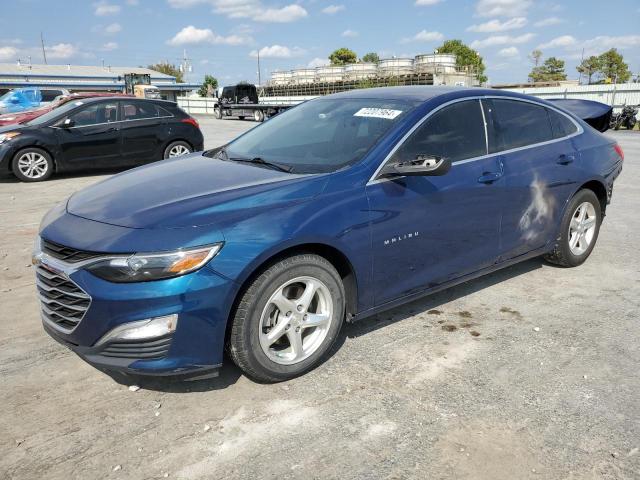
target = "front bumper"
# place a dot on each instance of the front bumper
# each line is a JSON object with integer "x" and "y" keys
{"x": 201, "y": 300}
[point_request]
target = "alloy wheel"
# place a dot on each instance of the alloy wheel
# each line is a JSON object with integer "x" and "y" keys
{"x": 33, "y": 165}
{"x": 582, "y": 228}
{"x": 296, "y": 320}
{"x": 178, "y": 150}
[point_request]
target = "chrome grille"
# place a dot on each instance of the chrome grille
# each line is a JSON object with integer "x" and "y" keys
{"x": 66, "y": 254}
{"x": 63, "y": 303}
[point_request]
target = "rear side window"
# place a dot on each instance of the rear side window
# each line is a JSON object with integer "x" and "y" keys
{"x": 560, "y": 124}
{"x": 163, "y": 112}
{"x": 135, "y": 110}
{"x": 455, "y": 132}
{"x": 50, "y": 95}
{"x": 519, "y": 124}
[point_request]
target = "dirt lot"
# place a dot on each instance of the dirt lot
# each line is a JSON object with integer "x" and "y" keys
{"x": 529, "y": 373}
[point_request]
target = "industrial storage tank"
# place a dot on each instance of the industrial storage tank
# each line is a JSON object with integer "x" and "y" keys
{"x": 360, "y": 71}
{"x": 435, "y": 63}
{"x": 393, "y": 67}
{"x": 329, "y": 74}
{"x": 280, "y": 77}
{"x": 303, "y": 76}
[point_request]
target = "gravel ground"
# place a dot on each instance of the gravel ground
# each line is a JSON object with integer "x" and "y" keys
{"x": 528, "y": 373}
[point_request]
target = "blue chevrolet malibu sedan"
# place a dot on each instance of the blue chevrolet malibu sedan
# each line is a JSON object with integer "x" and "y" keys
{"x": 335, "y": 210}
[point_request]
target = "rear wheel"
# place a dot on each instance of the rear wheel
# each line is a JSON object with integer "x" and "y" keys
{"x": 177, "y": 149}
{"x": 32, "y": 165}
{"x": 241, "y": 117}
{"x": 579, "y": 230}
{"x": 287, "y": 319}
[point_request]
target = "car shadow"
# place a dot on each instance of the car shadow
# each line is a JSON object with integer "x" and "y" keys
{"x": 229, "y": 373}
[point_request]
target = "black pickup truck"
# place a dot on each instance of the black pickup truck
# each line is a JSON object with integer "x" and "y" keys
{"x": 242, "y": 101}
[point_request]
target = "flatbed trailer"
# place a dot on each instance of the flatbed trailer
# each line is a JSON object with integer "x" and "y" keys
{"x": 242, "y": 101}
{"x": 257, "y": 111}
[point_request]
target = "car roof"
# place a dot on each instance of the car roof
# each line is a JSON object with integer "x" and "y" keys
{"x": 415, "y": 92}
{"x": 123, "y": 97}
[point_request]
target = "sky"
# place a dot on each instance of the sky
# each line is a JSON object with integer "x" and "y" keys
{"x": 222, "y": 37}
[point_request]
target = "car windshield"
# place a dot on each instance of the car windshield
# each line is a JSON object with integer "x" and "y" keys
{"x": 55, "y": 113}
{"x": 322, "y": 135}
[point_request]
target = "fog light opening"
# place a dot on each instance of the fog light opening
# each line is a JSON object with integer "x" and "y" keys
{"x": 142, "y": 329}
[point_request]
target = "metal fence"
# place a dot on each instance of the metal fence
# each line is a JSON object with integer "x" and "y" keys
{"x": 615, "y": 95}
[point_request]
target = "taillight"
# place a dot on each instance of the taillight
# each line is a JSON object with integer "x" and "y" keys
{"x": 619, "y": 151}
{"x": 191, "y": 121}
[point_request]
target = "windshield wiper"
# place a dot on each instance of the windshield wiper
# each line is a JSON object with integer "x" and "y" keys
{"x": 262, "y": 161}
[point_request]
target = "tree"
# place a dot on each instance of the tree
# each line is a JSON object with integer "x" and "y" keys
{"x": 168, "y": 69}
{"x": 209, "y": 86}
{"x": 552, "y": 70}
{"x": 371, "y": 57}
{"x": 613, "y": 68}
{"x": 589, "y": 67}
{"x": 466, "y": 57}
{"x": 343, "y": 56}
{"x": 535, "y": 57}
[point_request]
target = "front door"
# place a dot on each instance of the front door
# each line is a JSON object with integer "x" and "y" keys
{"x": 428, "y": 230}
{"x": 93, "y": 139}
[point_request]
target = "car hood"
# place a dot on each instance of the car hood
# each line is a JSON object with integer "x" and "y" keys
{"x": 190, "y": 191}
{"x": 12, "y": 128}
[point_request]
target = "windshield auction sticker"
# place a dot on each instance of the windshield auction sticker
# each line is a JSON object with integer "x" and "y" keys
{"x": 378, "y": 113}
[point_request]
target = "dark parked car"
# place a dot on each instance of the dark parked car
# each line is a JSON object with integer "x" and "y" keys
{"x": 340, "y": 208}
{"x": 97, "y": 133}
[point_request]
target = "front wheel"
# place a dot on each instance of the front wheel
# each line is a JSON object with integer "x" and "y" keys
{"x": 176, "y": 149}
{"x": 287, "y": 319}
{"x": 32, "y": 165}
{"x": 579, "y": 230}
{"x": 258, "y": 115}
{"x": 217, "y": 112}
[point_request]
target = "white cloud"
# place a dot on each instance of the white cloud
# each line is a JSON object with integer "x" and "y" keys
{"x": 600, "y": 44}
{"x": 424, "y": 36}
{"x": 509, "y": 52}
{"x": 318, "y": 62}
{"x": 349, "y": 33}
{"x": 287, "y": 14}
{"x": 102, "y": 9}
{"x": 278, "y": 51}
{"x": 502, "y": 40}
{"x": 8, "y": 53}
{"x": 502, "y": 8}
{"x": 113, "y": 28}
{"x": 562, "y": 41}
{"x": 252, "y": 9}
{"x": 61, "y": 51}
{"x": 133, "y": 3}
{"x": 110, "y": 46}
{"x": 547, "y": 22}
{"x": 426, "y": 3}
{"x": 333, "y": 9}
{"x": 497, "y": 26}
{"x": 193, "y": 36}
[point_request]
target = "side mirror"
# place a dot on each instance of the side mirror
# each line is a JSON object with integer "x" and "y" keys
{"x": 68, "y": 123}
{"x": 423, "y": 165}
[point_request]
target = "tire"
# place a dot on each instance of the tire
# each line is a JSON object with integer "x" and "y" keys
{"x": 275, "y": 359}
{"x": 568, "y": 252}
{"x": 258, "y": 115}
{"x": 217, "y": 113}
{"x": 240, "y": 117}
{"x": 32, "y": 165}
{"x": 177, "y": 149}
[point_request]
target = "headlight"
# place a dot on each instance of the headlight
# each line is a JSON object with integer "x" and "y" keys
{"x": 142, "y": 267}
{"x": 5, "y": 137}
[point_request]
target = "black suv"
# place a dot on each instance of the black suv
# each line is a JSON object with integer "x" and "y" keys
{"x": 97, "y": 133}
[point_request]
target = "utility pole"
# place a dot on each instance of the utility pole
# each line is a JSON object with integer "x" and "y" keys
{"x": 44, "y": 54}
{"x": 259, "y": 79}
{"x": 185, "y": 64}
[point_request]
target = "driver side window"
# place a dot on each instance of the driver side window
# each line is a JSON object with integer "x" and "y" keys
{"x": 456, "y": 132}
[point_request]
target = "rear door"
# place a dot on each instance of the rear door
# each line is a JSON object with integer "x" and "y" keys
{"x": 428, "y": 230}
{"x": 93, "y": 140}
{"x": 539, "y": 161}
{"x": 143, "y": 131}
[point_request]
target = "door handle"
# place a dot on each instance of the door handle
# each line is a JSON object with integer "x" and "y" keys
{"x": 489, "y": 177}
{"x": 565, "y": 159}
